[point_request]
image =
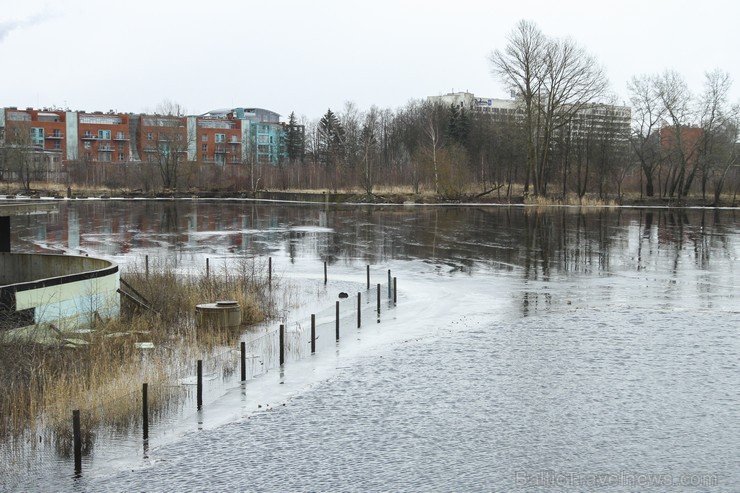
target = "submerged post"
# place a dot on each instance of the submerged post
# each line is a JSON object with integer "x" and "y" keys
{"x": 325, "y": 275}
{"x": 208, "y": 267}
{"x": 337, "y": 319}
{"x": 359, "y": 310}
{"x": 313, "y": 333}
{"x": 378, "y": 299}
{"x": 77, "y": 440}
{"x": 244, "y": 360}
{"x": 145, "y": 410}
{"x": 389, "y": 284}
{"x": 4, "y": 233}
{"x": 368, "y": 277}
{"x": 200, "y": 384}
{"x": 269, "y": 271}
{"x": 282, "y": 344}
{"x": 395, "y": 290}
{"x": 146, "y": 264}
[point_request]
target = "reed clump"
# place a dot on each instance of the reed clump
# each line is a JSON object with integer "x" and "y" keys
{"x": 101, "y": 371}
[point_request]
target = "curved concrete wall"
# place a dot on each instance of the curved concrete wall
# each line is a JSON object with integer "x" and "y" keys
{"x": 63, "y": 290}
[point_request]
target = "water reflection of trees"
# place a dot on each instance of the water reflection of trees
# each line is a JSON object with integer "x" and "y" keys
{"x": 542, "y": 244}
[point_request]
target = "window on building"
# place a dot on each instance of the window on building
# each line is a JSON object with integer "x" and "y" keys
{"x": 121, "y": 156}
{"x": 220, "y": 138}
{"x": 204, "y": 147}
{"x": 87, "y": 144}
{"x": 204, "y": 138}
{"x": 149, "y": 136}
{"x": 204, "y": 157}
{"x": 104, "y": 134}
{"x": 104, "y": 156}
{"x": 57, "y": 145}
{"x": 121, "y": 146}
{"x": 37, "y": 136}
{"x": 220, "y": 159}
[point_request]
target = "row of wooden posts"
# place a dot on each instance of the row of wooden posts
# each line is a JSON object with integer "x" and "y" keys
{"x": 392, "y": 294}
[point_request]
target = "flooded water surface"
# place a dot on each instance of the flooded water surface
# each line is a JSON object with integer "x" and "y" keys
{"x": 554, "y": 349}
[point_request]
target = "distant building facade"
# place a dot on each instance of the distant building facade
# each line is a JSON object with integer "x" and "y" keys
{"x": 220, "y": 137}
{"x": 597, "y": 117}
{"x": 497, "y": 108}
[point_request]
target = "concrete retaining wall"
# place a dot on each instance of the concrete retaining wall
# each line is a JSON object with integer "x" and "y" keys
{"x": 63, "y": 290}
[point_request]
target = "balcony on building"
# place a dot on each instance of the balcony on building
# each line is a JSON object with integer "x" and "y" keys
{"x": 120, "y": 136}
{"x": 56, "y": 135}
{"x": 220, "y": 149}
{"x": 89, "y": 136}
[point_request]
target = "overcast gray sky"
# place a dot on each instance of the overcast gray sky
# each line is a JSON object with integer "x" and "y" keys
{"x": 307, "y": 56}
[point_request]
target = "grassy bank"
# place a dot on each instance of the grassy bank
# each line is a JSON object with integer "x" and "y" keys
{"x": 395, "y": 195}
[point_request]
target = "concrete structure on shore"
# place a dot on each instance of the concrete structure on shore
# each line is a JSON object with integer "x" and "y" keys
{"x": 58, "y": 292}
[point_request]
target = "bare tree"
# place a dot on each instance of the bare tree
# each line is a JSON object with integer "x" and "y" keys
{"x": 22, "y": 155}
{"x": 432, "y": 132}
{"x": 680, "y": 146}
{"x": 647, "y": 113}
{"x": 554, "y": 79}
{"x": 369, "y": 137}
{"x": 521, "y": 67}
{"x": 719, "y": 123}
{"x": 172, "y": 141}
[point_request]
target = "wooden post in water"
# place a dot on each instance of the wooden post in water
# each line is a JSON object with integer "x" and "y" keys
{"x": 368, "y": 277}
{"x": 337, "y": 319}
{"x": 325, "y": 274}
{"x": 359, "y": 310}
{"x": 395, "y": 290}
{"x": 378, "y": 299}
{"x": 389, "y": 284}
{"x": 77, "y": 440}
{"x": 145, "y": 410}
{"x": 282, "y": 344}
{"x": 146, "y": 264}
{"x": 200, "y": 384}
{"x": 269, "y": 271}
{"x": 244, "y": 360}
{"x": 313, "y": 333}
{"x": 208, "y": 267}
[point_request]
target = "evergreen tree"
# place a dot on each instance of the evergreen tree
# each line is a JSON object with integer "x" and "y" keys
{"x": 330, "y": 139}
{"x": 294, "y": 139}
{"x": 458, "y": 125}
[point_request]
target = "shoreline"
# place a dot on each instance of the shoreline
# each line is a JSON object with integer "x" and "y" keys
{"x": 349, "y": 198}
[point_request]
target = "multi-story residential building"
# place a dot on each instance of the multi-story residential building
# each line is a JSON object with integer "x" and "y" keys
{"x": 101, "y": 137}
{"x": 596, "y": 117}
{"x": 219, "y": 140}
{"x": 261, "y": 132}
{"x": 40, "y": 132}
{"x": 158, "y": 135}
{"x": 230, "y": 136}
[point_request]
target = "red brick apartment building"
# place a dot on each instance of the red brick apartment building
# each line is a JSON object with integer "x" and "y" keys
{"x": 682, "y": 146}
{"x": 221, "y": 137}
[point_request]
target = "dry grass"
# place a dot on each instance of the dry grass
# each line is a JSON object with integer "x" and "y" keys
{"x": 103, "y": 377}
{"x": 570, "y": 200}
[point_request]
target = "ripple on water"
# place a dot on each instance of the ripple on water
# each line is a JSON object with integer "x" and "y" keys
{"x": 469, "y": 410}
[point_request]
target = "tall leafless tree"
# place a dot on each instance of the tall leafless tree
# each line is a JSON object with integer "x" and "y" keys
{"x": 554, "y": 79}
{"x": 647, "y": 115}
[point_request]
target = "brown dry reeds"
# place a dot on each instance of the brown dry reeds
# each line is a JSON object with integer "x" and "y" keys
{"x": 102, "y": 371}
